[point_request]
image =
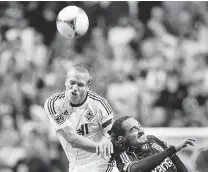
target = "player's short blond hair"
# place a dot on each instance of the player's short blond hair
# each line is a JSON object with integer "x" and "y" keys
{"x": 82, "y": 68}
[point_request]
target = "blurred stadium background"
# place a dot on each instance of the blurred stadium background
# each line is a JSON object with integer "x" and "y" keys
{"x": 149, "y": 60}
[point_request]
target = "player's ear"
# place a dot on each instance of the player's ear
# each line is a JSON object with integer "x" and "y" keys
{"x": 66, "y": 80}
{"x": 120, "y": 139}
{"x": 89, "y": 84}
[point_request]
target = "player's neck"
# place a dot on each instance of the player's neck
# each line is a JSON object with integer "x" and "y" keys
{"x": 140, "y": 147}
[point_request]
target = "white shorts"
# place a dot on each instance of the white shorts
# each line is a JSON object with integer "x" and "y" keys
{"x": 95, "y": 166}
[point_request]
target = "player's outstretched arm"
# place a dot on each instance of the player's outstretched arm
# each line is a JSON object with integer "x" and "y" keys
{"x": 176, "y": 160}
{"x": 76, "y": 140}
{"x": 184, "y": 143}
{"x": 151, "y": 161}
{"x": 80, "y": 142}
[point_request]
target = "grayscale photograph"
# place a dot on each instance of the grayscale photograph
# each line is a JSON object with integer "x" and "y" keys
{"x": 103, "y": 86}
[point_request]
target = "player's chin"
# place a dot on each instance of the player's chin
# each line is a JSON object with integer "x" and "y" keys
{"x": 74, "y": 98}
{"x": 142, "y": 139}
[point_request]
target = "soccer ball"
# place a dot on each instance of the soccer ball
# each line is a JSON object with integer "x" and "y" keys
{"x": 72, "y": 22}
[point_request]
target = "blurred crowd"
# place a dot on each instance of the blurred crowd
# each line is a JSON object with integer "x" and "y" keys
{"x": 148, "y": 59}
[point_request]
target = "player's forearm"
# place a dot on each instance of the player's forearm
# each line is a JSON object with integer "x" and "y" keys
{"x": 83, "y": 143}
{"x": 151, "y": 161}
{"x": 77, "y": 141}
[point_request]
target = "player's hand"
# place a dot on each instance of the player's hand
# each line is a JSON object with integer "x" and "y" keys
{"x": 104, "y": 148}
{"x": 184, "y": 143}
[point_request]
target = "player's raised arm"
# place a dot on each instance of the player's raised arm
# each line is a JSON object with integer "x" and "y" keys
{"x": 125, "y": 163}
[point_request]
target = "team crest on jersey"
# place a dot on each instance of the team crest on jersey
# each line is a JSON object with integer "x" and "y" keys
{"x": 66, "y": 113}
{"x": 89, "y": 115}
{"x": 157, "y": 147}
{"x": 60, "y": 119}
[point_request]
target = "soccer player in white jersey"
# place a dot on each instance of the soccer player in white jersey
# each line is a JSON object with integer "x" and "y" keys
{"x": 82, "y": 120}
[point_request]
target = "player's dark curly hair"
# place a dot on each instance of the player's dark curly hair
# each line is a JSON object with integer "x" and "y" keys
{"x": 117, "y": 128}
{"x": 116, "y": 131}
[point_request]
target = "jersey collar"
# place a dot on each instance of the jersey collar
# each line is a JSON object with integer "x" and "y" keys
{"x": 80, "y": 104}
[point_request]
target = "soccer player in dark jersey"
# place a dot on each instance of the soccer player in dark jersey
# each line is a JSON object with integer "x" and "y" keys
{"x": 136, "y": 152}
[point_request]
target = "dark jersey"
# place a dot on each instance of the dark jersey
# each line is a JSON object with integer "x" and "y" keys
{"x": 124, "y": 160}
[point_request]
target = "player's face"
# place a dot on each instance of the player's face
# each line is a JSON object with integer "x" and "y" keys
{"x": 76, "y": 86}
{"x": 134, "y": 134}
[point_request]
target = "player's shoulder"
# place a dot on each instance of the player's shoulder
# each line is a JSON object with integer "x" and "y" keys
{"x": 57, "y": 96}
{"x": 96, "y": 99}
{"x": 123, "y": 159}
{"x": 54, "y": 102}
{"x": 92, "y": 94}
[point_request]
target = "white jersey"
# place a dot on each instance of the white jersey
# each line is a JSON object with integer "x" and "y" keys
{"x": 92, "y": 119}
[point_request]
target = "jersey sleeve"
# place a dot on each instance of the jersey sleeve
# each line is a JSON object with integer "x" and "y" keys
{"x": 176, "y": 160}
{"x": 106, "y": 115}
{"x": 55, "y": 114}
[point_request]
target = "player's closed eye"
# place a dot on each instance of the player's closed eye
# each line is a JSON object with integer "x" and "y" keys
{"x": 72, "y": 82}
{"x": 134, "y": 129}
{"x": 80, "y": 85}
